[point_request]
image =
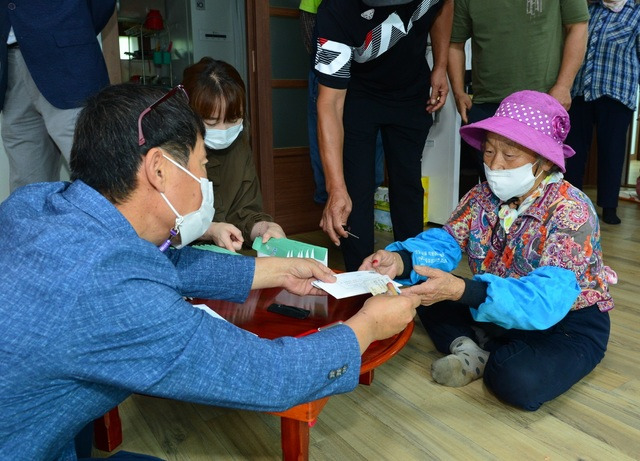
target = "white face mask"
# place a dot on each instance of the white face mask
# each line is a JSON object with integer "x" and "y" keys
{"x": 194, "y": 224}
{"x": 221, "y": 139}
{"x": 506, "y": 184}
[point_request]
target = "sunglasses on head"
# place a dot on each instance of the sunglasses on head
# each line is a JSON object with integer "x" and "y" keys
{"x": 172, "y": 91}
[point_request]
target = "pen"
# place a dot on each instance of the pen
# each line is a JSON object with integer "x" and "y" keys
{"x": 392, "y": 290}
{"x": 349, "y": 233}
{"x": 324, "y": 327}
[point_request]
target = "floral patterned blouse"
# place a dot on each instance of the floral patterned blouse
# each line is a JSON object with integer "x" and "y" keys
{"x": 559, "y": 229}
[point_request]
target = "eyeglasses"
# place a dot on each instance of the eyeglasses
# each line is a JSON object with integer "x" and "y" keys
{"x": 171, "y": 92}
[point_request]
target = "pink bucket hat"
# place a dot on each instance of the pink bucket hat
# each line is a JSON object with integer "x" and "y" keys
{"x": 530, "y": 118}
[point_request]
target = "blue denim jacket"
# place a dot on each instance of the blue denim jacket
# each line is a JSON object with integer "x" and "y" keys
{"x": 90, "y": 313}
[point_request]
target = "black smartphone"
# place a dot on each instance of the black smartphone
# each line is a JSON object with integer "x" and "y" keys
{"x": 289, "y": 311}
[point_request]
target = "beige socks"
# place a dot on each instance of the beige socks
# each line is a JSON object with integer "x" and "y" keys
{"x": 465, "y": 364}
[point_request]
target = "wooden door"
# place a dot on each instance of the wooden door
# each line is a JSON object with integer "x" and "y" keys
{"x": 278, "y": 69}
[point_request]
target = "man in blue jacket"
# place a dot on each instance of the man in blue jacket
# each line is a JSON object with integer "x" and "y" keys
{"x": 92, "y": 302}
{"x": 50, "y": 62}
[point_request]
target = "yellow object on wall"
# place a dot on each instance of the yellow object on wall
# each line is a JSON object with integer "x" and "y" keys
{"x": 425, "y": 201}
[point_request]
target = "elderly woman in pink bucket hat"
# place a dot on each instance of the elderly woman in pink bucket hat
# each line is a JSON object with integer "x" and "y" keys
{"x": 533, "y": 320}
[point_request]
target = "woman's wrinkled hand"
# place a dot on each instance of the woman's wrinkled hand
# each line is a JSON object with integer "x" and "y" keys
{"x": 384, "y": 262}
{"x": 439, "y": 286}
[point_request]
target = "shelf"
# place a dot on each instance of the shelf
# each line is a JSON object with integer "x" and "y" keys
{"x": 139, "y": 30}
{"x": 152, "y": 46}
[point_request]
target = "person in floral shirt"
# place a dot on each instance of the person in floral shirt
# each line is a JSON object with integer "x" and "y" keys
{"x": 533, "y": 320}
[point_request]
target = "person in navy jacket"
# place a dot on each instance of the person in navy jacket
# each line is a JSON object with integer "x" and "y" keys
{"x": 50, "y": 62}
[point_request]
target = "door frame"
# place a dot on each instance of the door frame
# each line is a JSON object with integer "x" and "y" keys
{"x": 259, "y": 75}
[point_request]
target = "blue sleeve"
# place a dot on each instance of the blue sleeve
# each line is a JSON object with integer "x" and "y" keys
{"x": 244, "y": 371}
{"x": 550, "y": 290}
{"x": 137, "y": 333}
{"x": 205, "y": 274}
{"x": 434, "y": 248}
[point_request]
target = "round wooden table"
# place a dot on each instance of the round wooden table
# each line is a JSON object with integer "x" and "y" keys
{"x": 253, "y": 316}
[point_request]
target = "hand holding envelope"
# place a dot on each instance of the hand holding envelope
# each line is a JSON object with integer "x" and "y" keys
{"x": 357, "y": 283}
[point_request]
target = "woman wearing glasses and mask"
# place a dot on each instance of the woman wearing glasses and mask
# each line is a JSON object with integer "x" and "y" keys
{"x": 217, "y": 93}
{"x": 533, "y": 319}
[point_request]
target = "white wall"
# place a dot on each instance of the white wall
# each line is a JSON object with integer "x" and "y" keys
{"x": 207, "y": 28}
{"x": 441, "y": 159}
{"x": 441, "y": 162}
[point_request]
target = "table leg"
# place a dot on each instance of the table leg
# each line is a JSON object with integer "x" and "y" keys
{"x": 295, "y": 439}
{"x": 366, "y": 378}
{"x": 107, "y": 431}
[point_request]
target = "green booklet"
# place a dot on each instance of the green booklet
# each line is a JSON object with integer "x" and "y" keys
{"x": 215, "y": 248}
{"x": 287, "y": 248}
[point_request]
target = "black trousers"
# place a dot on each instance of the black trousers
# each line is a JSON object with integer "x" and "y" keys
{"x": 611, "y": 120}
{"x": 526, "y": 368}
{"x": 404, "y": 130}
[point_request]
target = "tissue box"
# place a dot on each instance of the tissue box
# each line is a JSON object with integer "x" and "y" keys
{"x": 382, "y": 220}
{"x": 381, "y": 199}
{"x": 381, "y": 215}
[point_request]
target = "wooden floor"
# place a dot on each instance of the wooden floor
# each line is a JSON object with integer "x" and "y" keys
{"x": 404, "y": 415}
